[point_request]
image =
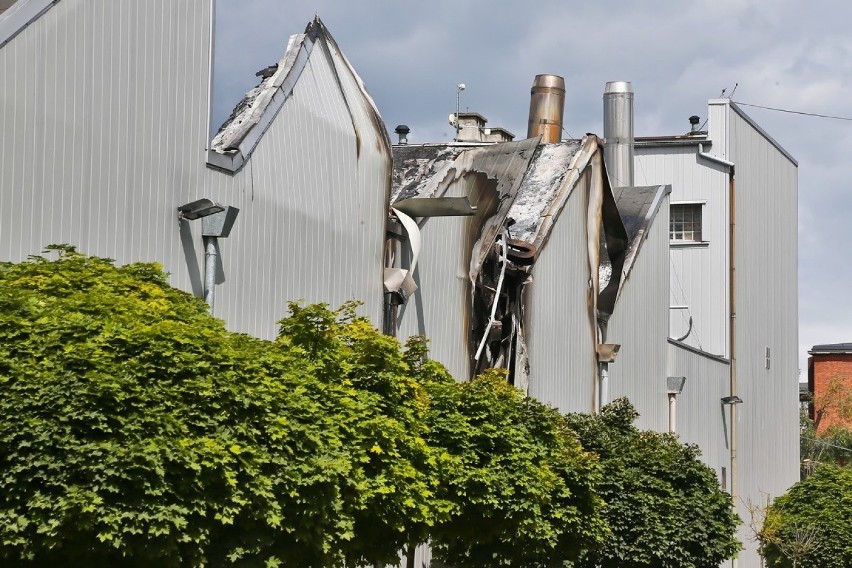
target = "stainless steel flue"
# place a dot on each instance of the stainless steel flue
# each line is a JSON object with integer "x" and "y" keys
{"x": 547, "y": 105}
{"x": 618, "y": 132}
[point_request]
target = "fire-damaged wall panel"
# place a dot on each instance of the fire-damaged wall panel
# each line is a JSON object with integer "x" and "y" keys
{"x": 313, "y": 198}
{"x": 454, "y": 249}
{"x": 640, "y": 321}
{"x": 438, "y": 310}
{"x": 561, "y": 335}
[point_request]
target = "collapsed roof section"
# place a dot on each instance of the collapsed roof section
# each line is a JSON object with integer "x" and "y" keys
{"x": 239, "y": 135}
{"x": 533, "y": 183}
{"x": 637, "y": 206}
{"x": 530, "y": 185}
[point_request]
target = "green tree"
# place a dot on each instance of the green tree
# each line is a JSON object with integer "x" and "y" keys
{"x": 833, "y": 404}
{"x": 832, "y": 445}
{"x": 663, "y": 506}
{"x": 393, "y": 502}
{"x": 811, "y": 525}
{"x": 520, "y": 488}
{"x": 135, "y": 430}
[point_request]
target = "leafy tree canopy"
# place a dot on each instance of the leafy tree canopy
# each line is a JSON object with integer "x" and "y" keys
{"x": 521, "y": 489}
{"x": 136, "y": 430}
{"x": 663, "y": 506}
{"x": 811, "y": 525}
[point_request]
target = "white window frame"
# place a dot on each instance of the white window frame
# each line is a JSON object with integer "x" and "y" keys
{"x": 687, "y": 241}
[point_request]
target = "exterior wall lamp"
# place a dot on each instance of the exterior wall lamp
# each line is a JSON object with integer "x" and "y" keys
{"x": 216, "y": 221}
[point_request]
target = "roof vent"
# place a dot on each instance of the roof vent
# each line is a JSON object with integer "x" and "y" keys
{"x": 693, "y": 123}
{"x": 402, "y": 130}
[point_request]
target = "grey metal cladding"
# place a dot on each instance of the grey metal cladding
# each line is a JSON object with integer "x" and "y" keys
{"x": 640, "y": 322}
{"x": 701, "y": 420}
{"x": 322, "y": 227}
{"x": 105, "y": 110}
{"x": 561, "y": 339}
{"x": 766, "y": 197}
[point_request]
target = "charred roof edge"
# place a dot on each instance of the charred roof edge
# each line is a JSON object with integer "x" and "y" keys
{"x": 659, "y": 196}
{"x": 248, "y": 134}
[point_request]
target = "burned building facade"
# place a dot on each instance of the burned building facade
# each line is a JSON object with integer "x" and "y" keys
{"x": 539, "y": 256}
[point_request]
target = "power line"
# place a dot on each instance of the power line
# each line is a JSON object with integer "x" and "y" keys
{"x": 825, "y": 443}
{"x": 795, "y": 111}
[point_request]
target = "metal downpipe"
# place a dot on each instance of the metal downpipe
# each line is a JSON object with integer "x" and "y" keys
{"x": 732, "y": 333}
{"x": 211, "y": 253}
{"x": 672, "y": 413}
{"x": 603, "y": 399}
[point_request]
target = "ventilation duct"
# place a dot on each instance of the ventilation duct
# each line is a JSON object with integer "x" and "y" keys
{"x": 547, "y": 105}
{"x": 618, "y": 132}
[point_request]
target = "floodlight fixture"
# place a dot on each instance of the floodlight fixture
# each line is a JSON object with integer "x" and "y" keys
{"x": 219, "y": 224}
{"x": 198, "y": 209}
{"x": 734, "y": 399}
{"x": 216, "y": 221}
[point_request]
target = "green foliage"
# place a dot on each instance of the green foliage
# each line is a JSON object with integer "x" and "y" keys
{"x": 520, "y": 487}
{"x": 390, "y": 495}
{"x": 833, "y": 405}
{"x": 811, "y": 525}
{"x": 136, "y": 430}
{"x": 831, "y": 446}
{"x": 663, "y": 506}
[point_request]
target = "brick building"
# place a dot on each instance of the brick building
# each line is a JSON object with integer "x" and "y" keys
{"x": 830, "y": 368}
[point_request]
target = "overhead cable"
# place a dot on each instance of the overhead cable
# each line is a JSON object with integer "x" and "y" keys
{"x": 794, "y": 111}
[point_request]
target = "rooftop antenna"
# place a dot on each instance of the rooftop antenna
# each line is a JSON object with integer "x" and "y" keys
{"x": 459, "y": 88}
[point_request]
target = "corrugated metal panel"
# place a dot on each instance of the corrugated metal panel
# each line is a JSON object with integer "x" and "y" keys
{"x": 767, "y": 314}
{"x": 105, "y": 106}
{"x": 698, "y": 274}
{"x": 312, "y": 204}
{"x": 640, "y": 325}
{"x": 701, "y": 418}
{"x": 561, "y": 339}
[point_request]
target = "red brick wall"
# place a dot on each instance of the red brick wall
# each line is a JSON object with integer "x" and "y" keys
{"x": 822, "y": 367}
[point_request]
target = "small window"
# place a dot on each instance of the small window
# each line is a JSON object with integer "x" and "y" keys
{"x": 685, "y": 222}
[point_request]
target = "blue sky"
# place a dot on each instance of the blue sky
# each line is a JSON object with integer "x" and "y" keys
{"x": 781, "y": 53}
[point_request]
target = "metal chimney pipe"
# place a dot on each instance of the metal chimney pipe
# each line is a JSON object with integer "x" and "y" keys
{"x": 618, "y": 132}
{"x": 547, "y": 106}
